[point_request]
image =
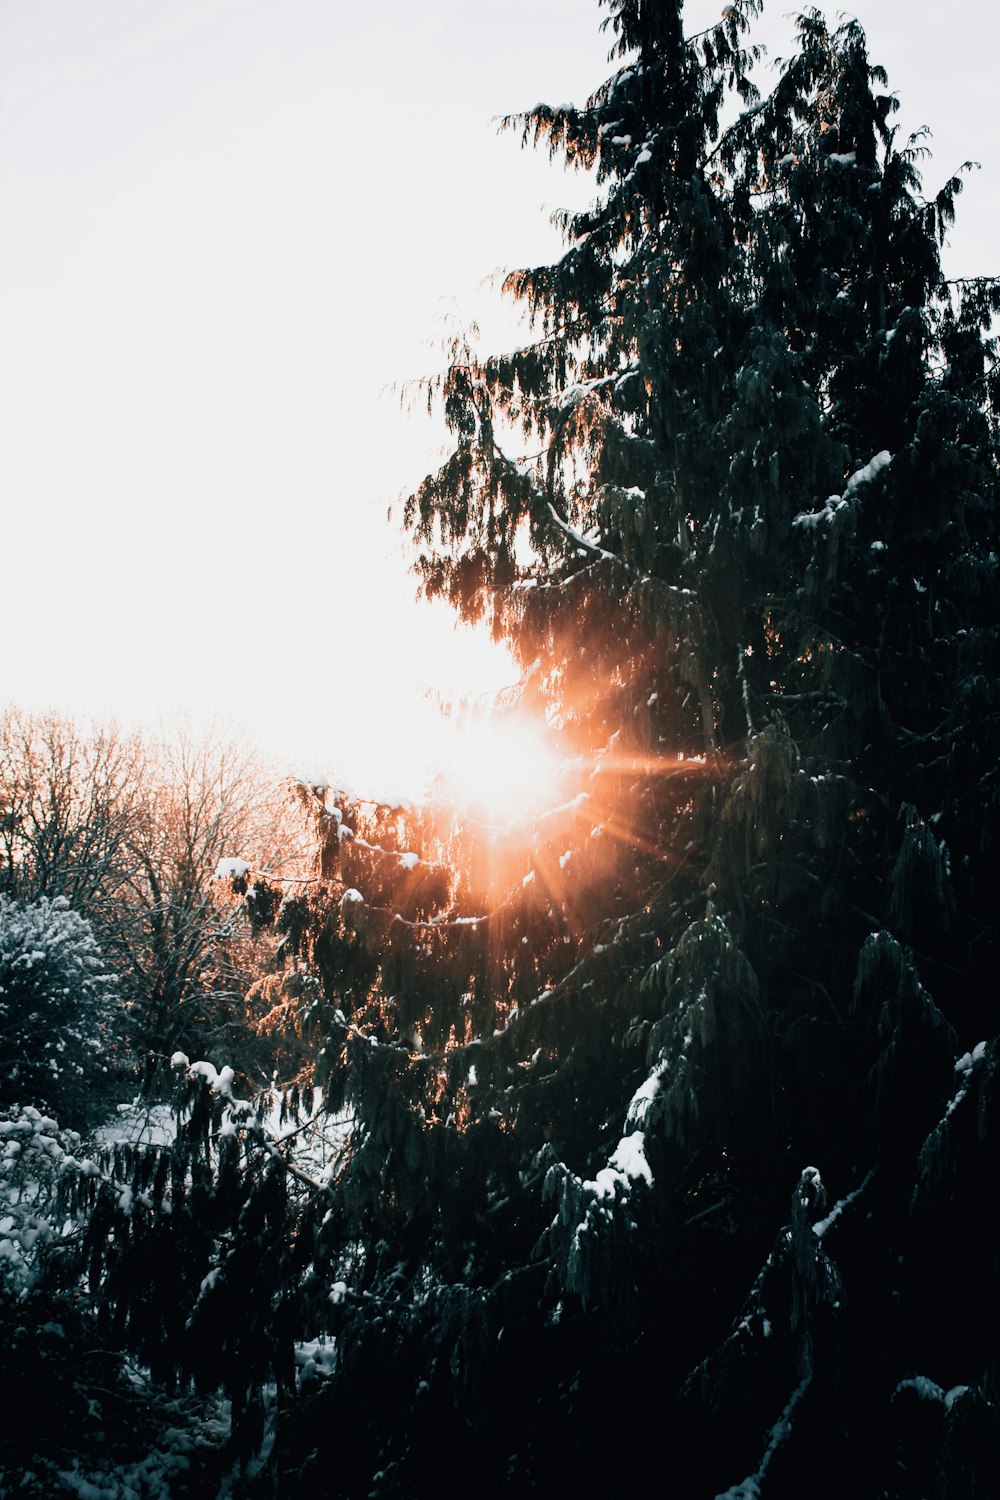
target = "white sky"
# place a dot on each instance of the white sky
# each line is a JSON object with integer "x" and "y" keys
{"x": 226, "y": 226}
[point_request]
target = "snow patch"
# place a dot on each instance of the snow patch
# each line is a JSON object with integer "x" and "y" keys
{"x": 833, "y": 504}
{"x": 644, "y": 1095}
{"x": 317, "y": 783}
{"x": 968, "y": 1060}
{"x": 626, "y": 1164}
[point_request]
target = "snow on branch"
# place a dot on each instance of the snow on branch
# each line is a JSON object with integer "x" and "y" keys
{"x": 834, "y": 504}
{"x": 240, "y": 1113}
{"x": 626, "y": 1164}
{"x": 579, "y": 540}
{"x": 642, "y": 1100}
{"x": 967, "y": 1066}
{"x": 436, "y": 924}
{"x": 929, "y": 1390}
{"x": 601, "y": 554}
{"x": 750, "y": 1488}
{"x": 821, "y": 1226}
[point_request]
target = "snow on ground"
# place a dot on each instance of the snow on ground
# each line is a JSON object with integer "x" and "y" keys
{"x": 138, "y": 1124}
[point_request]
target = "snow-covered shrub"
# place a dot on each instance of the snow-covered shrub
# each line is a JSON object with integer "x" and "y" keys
{"x": 55, "y": 1008}
{"x": 88, "y": 1424}
{"x": 34, "y": 1155}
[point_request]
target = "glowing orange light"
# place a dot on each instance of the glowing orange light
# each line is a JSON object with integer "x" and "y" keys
{"x": 502, "y": 768}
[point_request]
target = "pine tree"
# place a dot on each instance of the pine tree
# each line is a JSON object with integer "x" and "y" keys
{"x": 665, "y": 1117}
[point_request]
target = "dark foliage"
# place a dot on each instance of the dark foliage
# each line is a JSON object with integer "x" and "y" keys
{"x": 666, "y": 1115}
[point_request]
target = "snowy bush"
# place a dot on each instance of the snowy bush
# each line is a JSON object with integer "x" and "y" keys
{"x": 34, "y": 1154}
{"x": 89, "y": 1425}
{"x": 55, "y": 1008}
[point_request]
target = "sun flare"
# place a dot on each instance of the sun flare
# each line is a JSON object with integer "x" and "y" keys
{"x": 501, "y": 767}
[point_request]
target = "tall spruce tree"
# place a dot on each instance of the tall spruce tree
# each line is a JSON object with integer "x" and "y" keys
{"x": 667, "y": 1114}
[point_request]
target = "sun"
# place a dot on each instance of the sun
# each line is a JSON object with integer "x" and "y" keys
{"x": 501, "y": 766}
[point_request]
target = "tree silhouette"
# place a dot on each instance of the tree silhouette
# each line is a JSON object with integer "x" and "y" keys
{"x": 666, "y": 1111}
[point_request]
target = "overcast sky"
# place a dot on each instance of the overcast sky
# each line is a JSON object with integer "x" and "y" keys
{"x": 226, "y": 228}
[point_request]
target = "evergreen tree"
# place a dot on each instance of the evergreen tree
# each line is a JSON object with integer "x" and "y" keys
{"x": 666, "y": 1114}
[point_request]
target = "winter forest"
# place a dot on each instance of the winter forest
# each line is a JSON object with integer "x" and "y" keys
{"x": 642, "y": 1133}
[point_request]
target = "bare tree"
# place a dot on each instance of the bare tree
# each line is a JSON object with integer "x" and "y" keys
{"x": 144, "y": 839}
{"x": 68, "y": 804}
{"x": 210, "y": 821}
